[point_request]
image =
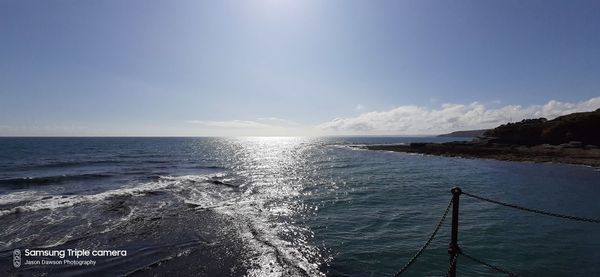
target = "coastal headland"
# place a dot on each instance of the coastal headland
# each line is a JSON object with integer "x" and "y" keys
{"x": 570, "y": 139}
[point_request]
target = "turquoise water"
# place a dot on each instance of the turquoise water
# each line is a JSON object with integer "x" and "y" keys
{"x": 288, "y": 206}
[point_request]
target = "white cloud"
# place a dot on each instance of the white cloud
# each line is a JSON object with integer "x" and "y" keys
{"x": 272, "y": 119}
{"x": 260, "y": 123}
{"x": 359, "y": 107}
{"x": 277, "y": 121}
{"x": 233, "y": 124}
{"x": 265, "y": 126}
{"x": 411, "y": 120}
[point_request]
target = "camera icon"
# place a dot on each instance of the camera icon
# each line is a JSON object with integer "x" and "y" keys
{"x": 17, "y": 258}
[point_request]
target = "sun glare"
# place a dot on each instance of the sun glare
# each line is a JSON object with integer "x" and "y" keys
{"x": 281, "y": 8}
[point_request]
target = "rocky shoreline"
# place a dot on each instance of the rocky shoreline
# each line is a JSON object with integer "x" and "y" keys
{"x": 566, "y": 153}
{"x": 569, "y": 139}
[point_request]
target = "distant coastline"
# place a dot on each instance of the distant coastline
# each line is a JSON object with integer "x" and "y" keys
{"x": 570, "y": 139}
{"x": 541, "y": 153}
{"x": 465, "y": 134}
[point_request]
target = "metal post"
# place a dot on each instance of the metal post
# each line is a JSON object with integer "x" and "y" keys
{"x": 453, "y": 248}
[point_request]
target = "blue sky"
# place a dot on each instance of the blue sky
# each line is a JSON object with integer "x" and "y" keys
{"x": 268, "y": 67}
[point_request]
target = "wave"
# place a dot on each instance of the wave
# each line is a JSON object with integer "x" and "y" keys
{"x": 46, "y": 180}
{"x": 249, "y": 207}
{"x": 211, "y": 167}
{"x": 21, "y": 196}
{"x": 64, "y": 164}
{"x": 62, "y": 201}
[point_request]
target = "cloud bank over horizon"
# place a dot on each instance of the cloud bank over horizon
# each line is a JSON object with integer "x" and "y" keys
{"x": 262, "y": 126}
{"x": 401, "y": 120}
{"x": 418, "y": 120}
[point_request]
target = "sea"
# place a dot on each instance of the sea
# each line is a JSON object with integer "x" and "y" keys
{"x": 286, "y": 206}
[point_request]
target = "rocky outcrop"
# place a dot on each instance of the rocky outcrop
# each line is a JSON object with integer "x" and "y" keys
{"x": 577, "y": 127}
{"x": 465, "y": 134}
{"x": 572, "y": 139}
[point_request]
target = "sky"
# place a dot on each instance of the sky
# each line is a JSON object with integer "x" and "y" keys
{"x": 292, "y": 68}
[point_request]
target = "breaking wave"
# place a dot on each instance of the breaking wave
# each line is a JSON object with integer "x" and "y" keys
{"x": 46, "y": 180}
{"x": 249, "y": 208}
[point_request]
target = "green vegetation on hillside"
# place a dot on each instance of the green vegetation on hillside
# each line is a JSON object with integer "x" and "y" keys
{"x": 581, "y": 127}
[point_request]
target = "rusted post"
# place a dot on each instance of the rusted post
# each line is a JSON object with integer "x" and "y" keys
{"x": 453, "y": 248}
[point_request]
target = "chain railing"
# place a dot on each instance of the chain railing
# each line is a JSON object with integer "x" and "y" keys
{"x": 431, "y": 237}
{"x": 591, "y": 220}
{"x": 455, "y": 251}
{"x": 452, "y": 264}
{"x": 479, "y": 261}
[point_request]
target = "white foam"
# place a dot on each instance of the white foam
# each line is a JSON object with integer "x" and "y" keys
{"x": 260, "y": 228}
{"x": 251, "y": 209}
{"x": 63, "y": 201}
{"x": 21, "y": 196}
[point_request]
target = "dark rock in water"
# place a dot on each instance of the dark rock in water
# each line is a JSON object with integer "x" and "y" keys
{"x": 155, "y": 192}
{"x": 418, "y": 144}
{"x": 217, "y": 182}
{"x": 192, "y": 205}
{"x": 118, "y": 204}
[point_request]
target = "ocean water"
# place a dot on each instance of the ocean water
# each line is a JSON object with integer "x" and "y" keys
{"x": 285, "y": 207}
